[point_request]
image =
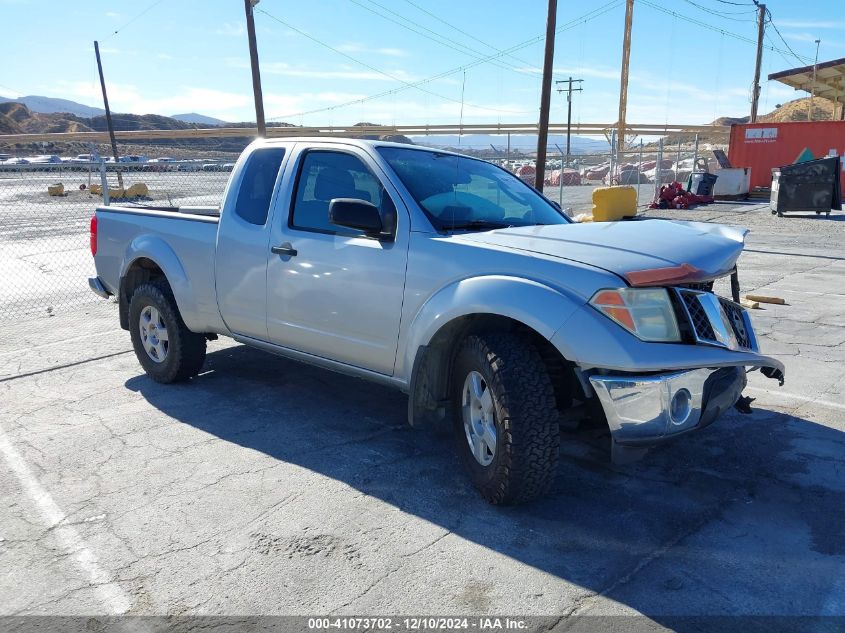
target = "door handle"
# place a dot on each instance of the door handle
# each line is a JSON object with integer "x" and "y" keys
{"x": 284, "y": 249}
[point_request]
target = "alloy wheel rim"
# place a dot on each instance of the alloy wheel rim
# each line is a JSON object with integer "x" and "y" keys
{"x": 477, "y": 409}
{"x": 154, "y": 336}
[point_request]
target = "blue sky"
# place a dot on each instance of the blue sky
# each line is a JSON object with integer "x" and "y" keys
{"x": 175, "y": 56}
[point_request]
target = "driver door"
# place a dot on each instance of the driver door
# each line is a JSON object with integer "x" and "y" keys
{"x": 334, "y": 292}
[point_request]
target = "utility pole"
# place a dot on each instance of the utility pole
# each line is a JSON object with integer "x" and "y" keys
{"x": 569, "y": 90}
{"x": 761, "y": 30}
{"x": 626, "y": 58}
{"x": 813, "y": 87}
{"x": 256, "y": 74}
{"x": 546, "y": 96}
{"x": 108, "y": 114}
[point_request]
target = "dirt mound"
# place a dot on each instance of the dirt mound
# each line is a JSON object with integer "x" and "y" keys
{"x": 798, "y": 109}
{"x": 15, "y": 111}
{"x": 795, "y": 110}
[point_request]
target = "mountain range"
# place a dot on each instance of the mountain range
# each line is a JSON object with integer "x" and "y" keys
{"x": 51, "y": 105}
{"x": 18, "y": 118}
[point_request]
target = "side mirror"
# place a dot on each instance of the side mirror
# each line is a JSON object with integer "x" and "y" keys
{"x": 357, "y": 214}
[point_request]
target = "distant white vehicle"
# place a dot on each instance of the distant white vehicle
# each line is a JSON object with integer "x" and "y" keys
{"x": 15, "y": 161}
{"x": 85, "y": 158}
{"x": 45, "y": 159}
{"x": 159, "y": 164}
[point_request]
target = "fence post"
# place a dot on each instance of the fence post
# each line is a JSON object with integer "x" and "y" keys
{"x": 560, "y": 182}
{"x": 639, "y": 171}
{"x": 678, "y": 162}
{"x": 695, "y": 154}
{"x": 658, "y": 176}
{"x": 104, "y": 183}
{"x": 612, "y": 156}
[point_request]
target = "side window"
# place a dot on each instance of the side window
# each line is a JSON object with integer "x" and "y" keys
{"x": 328, "y": 175}
{"x": 257, "y": 184}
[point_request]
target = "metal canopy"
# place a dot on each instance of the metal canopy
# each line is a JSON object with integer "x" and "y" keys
{"x": 829, "y": 83}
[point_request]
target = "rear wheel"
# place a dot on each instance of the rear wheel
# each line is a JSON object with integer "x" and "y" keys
{"x": 167, "y": 350}
{"x": 506, "y": 421}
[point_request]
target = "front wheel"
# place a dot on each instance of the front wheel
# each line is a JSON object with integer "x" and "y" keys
{"x": 167, "y": 350}
{"x": 506, "y": 423}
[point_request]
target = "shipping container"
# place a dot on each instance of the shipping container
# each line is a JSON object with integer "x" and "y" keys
{"x": 765, "y": 146}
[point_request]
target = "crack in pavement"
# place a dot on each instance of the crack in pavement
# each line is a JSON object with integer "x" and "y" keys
{"x": 65, "y": 366}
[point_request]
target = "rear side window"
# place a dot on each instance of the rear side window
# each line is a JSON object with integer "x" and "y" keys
{"x": 257, "y": 184}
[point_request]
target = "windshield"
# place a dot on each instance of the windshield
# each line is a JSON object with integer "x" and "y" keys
{"x": 465, "y": 193}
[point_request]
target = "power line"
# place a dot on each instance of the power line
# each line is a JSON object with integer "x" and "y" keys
{"x": 590, "y": 15}
{"x": 705, "y": 25}
{"x": 788, "y": 47}
{"x": 722, "y": 14}
{"x": 779, "y": 52}
{"x": 371, "y": 67}
{"x": 470, "y": 35}
{"x": 17, "y": 92}
{"x": 434, "y": 37}
{"x": 142, "y": 13}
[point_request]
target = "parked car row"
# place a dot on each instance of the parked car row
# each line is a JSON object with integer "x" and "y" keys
{"x": 128, "y": 162}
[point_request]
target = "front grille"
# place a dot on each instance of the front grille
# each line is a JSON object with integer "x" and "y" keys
{"x": 730, "y": 316}
{"x": 700, "y": 323}
{"x": 703, "y": 286}
{"x": 735, "y": 316}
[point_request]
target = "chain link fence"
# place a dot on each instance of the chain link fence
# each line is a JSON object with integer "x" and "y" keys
{"x": 45, "y": 213}
{"x": 571, "y": 184}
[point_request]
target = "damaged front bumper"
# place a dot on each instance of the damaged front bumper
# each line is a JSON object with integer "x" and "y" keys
{"x": 654, "y": 391}
{"x": 644, "y": 410}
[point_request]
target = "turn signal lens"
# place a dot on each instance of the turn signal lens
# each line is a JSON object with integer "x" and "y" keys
{"x": 646, "y": 313}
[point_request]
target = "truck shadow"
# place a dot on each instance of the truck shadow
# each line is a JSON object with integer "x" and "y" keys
{"x": 744, "y": 517}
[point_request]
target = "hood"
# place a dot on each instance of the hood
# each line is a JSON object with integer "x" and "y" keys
{"x": 689, "y": 250}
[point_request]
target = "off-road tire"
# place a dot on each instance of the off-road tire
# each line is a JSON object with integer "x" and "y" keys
{"x": 186, "y": 349}
{"x": 526, "y": 417}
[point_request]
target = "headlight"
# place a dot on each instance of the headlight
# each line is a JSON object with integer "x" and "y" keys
{"x": 645, "y": 312}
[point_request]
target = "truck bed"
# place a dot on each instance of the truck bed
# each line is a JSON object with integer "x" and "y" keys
{"x": 188, "y": 234}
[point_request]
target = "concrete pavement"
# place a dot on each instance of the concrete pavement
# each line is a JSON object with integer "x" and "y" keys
{"x": 268, "y": 487}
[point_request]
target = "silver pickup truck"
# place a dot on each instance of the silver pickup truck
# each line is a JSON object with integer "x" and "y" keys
{"x": 450, "y": 279}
